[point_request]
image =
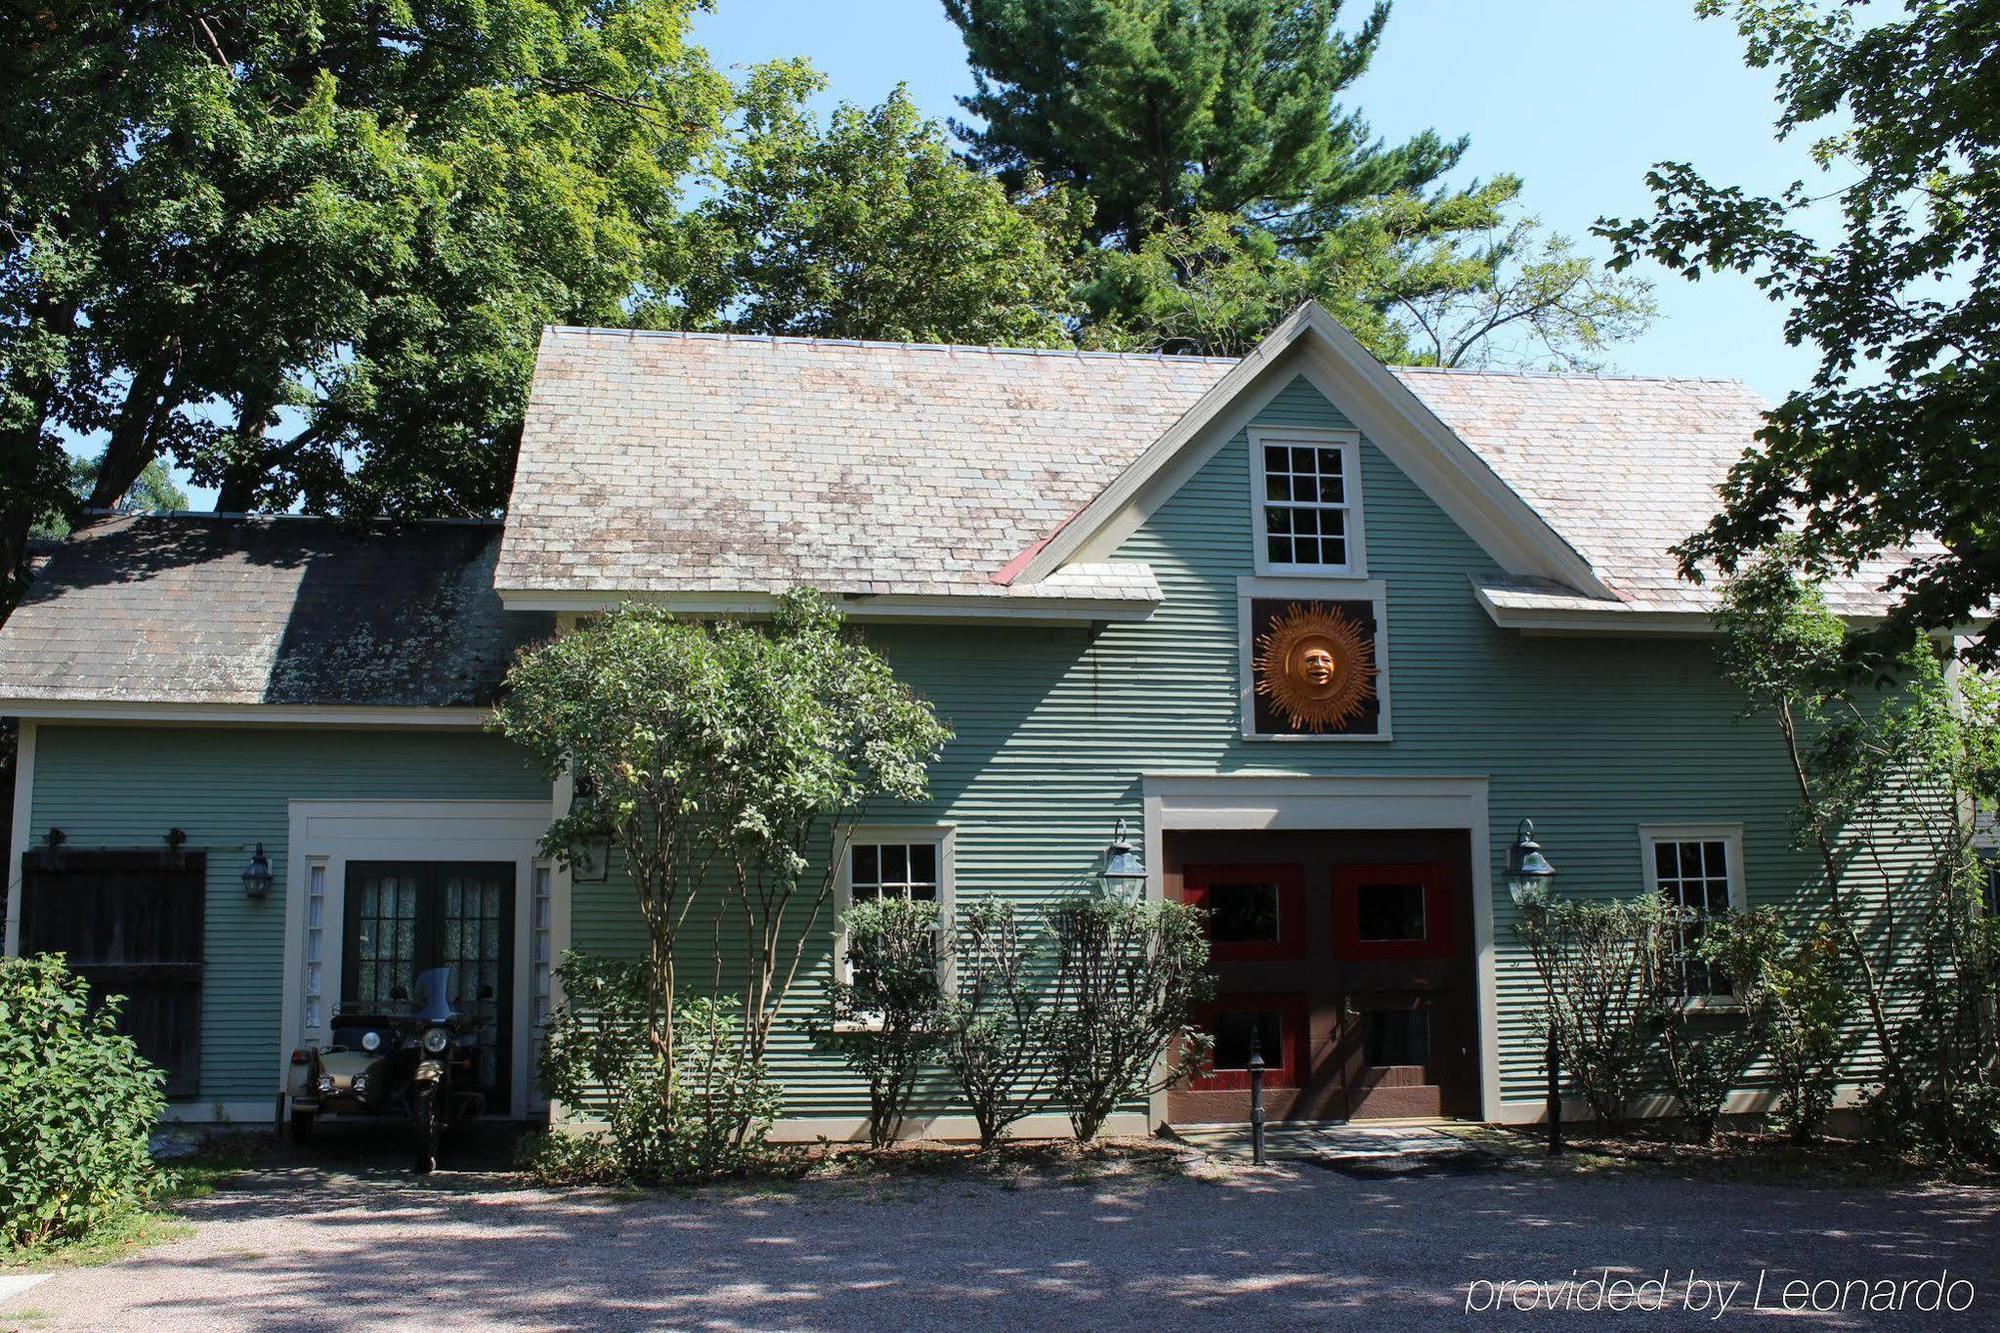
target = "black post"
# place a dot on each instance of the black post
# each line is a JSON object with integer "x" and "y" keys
{"x": 1256, "y": 1067}
{"x": 1555, "y": 1092}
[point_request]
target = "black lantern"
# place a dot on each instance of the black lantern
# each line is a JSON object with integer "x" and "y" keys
{"x": 1531, "y": 882}
{"x": 257, "y": 875}
{"x": 590, "y": 859}
{"x": 1122, "y": 867}
{"x": 1530, "y": 877}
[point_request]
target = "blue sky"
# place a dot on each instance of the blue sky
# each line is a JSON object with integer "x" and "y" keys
{"x": 1579, "y": 97}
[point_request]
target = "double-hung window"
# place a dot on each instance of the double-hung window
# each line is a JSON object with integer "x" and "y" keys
{"x": 1308, "y": 502}
{"x": 1699, "y": 873}
{"x": 892, "y": 862}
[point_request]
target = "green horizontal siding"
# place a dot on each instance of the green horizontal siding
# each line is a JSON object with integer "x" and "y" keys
{"x": 228, "y": 790}
{"x": 1590, "y": 738}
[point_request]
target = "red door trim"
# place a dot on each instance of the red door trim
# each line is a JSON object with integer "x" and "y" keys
{"x": 1197, "y": 880}
{"x": 1440, "y": 915}
{"x": 1284, "y": 1068}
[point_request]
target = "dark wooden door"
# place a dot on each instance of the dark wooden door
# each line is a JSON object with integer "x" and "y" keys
{"x": 1348, "y": 955}
{"x": 407, "y": 917}
{"x": 131, "y": 925}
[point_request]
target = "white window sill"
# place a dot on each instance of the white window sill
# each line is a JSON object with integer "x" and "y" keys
{"x": 1713, "y": 1004}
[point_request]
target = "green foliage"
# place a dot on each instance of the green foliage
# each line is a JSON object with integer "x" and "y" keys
{"x": 1704, "y": 1050}
{"x": 1596, "y": 962}
{"x": 702, "y": 1108}
{"x": 887, "y": 1018}
{"x": 1890, "y": 269}
{"x": 870, "y": 227}
{"x": 1128, "y": 977}
{"x": 1228, "y": 184}
{"x": 719, "y": 756}
{"x": 305, "y": 249}
{"x": 1799, "y": 1007}
{"x": 77, "y": 1107}
{"x": 153, "y": 493}
{"x": 995, "y": 1020}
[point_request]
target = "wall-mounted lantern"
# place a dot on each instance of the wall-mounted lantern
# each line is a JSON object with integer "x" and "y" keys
{"x": 1530, "y": 877}
{"x": 257, "y": 875}
{"x": 175, "y": 857}
{"x": 52, "y": 859}
{"x": 1531, "y": 883}
{"x": 1123, "y": 870}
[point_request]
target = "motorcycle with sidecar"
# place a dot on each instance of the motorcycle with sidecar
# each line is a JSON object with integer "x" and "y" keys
{"x": 422, "y": 1065}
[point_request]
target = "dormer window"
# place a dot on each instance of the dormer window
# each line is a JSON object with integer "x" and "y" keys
{"x": 1308, "y": 500}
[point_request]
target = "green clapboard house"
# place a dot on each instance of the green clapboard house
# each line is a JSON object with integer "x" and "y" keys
{"x": 1321, "y": 633}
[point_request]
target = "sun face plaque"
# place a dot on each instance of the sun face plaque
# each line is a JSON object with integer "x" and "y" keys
{"x": 1316, "y": 667}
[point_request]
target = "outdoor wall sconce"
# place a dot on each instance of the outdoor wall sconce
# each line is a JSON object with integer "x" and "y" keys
{"x": 257, "y": 875}
{"x": 1530, "y": 877}
{"x": 1122, "y": 867}
{"x": 53, "y": 858}
{"x": 1531, "y": 883}
{"x": 175, "y": 858}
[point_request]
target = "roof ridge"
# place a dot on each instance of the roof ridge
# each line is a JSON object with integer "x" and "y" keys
{"x": 794, "y": 340}
{"x": 1567, "y": 376}
{"x": 244, "y": 517}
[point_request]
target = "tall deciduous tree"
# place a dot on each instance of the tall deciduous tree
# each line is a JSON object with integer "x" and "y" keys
{"x": 304, "y": 249}
{"x": 1897, "y": 437}
{"x": 868, "y": 226}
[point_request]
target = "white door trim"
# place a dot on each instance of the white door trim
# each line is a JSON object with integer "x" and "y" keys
{"x": 1211, "y": 802}
{"x": 332, "y": 833}
{"x": 24, "y": 806}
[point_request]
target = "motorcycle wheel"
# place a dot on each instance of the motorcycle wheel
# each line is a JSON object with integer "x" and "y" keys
{"x": 302, "y": 1126}
{"x": 430, "y": 1127}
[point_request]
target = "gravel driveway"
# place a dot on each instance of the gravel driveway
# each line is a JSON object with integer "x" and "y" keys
{"x": 299, "y": 1248}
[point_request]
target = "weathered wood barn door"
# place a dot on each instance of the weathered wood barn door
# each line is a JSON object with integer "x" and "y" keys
{"x": 131, "y": 924}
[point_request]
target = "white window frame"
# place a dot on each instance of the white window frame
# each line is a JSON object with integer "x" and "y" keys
{"x": 1731, "y": 836}
{"x": 942, "y": 836}
{"x": 1348, "y": 443}
{"x": 1250, "y": 590}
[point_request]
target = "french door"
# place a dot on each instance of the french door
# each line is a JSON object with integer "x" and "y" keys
{"x": 406, "y": 917}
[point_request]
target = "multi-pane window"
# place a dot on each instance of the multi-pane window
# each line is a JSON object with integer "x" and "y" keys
{"x": 893, "y": 870}
{"x": 1305, "y": 504}
{"x": 315, "y": 988}
{"x": 1693, "y": 875}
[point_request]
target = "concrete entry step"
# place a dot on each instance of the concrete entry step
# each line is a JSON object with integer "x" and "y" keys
{"x": 1357, "y": 1148}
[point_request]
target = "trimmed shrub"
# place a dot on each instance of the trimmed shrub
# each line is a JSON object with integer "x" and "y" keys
{"x": 1799, "y": 1006}
{"x": 1595, "y": 962}
{"x": 77, "y": 1107}
{"x": 994, "y": 1022}
{"x": 1128, "y": 977}
{"x": 887, "y": 1019}
{"x": 705, "y": 1112}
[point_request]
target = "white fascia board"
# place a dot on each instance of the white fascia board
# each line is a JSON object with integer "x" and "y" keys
{"x": 1450, "y": 471}
{"x": 883, "y": 607}
{"x": 269, "y": 715}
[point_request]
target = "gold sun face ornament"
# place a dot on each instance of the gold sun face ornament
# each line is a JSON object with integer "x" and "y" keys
{"x": 1316, "y": 666}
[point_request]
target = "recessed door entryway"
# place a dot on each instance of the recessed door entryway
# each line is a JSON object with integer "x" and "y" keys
{"x": 404, "y": 918}
{"x": 1348, "y": 956}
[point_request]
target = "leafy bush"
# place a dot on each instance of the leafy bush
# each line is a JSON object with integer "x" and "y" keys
{"x": 1799, "y": 1008}
{"x": 887, "y": 1018}
{"x": 558, "y": 1158}
{"x": 994, "y": 1022}
{"x": 77, "y": 1107}
{"x": 1595, "y": 960}
{"x": 1128, "y": 976}
{"x": 706, "y": 1111}
{"x": 1704, "y": 1052}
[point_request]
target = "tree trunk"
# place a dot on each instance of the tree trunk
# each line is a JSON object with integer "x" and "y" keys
{"x": 134, "y": 439}
{"x": 238, "y": 493}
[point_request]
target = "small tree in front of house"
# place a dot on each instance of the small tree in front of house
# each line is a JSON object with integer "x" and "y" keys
{"x": 1798, "y": 1006}
{"x": 1889, "y": 758}
{"x": 720, "y": 758}
{"x": 996, "y": 1018}
{"x": 886, "y": 1017}
{"x": 1121, "y": 1010}
{"x": 1595, "y": 961}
